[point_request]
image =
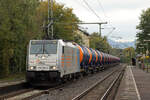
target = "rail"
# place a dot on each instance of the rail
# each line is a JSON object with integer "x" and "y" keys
{"x": 108, "y": 91}
{"x": 78, "y": 97}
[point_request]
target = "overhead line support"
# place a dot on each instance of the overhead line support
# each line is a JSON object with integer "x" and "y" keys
{"x": 50, "y": 23}
{"x": 99, "y": 23}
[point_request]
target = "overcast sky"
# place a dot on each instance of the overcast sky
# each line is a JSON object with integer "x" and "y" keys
{"x": 121, "y": 14}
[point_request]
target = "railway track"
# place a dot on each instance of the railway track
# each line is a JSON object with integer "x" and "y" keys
{"x": 12, "y": 90}
{"x": 33, "y": 93}
{"x": 60, "y": 87}
{"x": 23, "y": 93}
{"x": 104, "y": 89}
{"x": 38, "y": 93}
{"x": 30, "y": 93}
{"x": 45, "y": 92}
{"x": 112, "y": 90}
{"x": 15, "y": 93}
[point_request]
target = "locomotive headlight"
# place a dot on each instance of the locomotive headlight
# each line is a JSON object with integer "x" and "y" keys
{"x": 54, "y": 67}
{"x": 31, "y": 67}
{"x": 43, "y": 57}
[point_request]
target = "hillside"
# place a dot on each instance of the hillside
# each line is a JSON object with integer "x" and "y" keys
{"x": 121, "y": 45}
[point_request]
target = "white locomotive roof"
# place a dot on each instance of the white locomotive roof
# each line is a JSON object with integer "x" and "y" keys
{"x": 70, "y": 44}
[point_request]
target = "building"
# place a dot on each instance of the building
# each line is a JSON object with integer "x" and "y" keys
{"x": 85, "y": 37}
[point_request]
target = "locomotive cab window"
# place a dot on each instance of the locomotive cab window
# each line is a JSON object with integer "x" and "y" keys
{"x": 43, "y": 47}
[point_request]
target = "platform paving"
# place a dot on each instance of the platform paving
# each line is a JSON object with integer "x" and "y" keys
{"x": 142, "y": 79}
{"x": 128, "y": 89}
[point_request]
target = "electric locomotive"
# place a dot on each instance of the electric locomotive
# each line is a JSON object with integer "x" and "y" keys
{"x": 51, "y": 61}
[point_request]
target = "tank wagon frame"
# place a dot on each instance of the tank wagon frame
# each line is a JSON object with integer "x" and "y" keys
{"x": 51, "y": 61}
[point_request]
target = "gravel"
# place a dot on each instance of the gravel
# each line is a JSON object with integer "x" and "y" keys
{"x": 76, "y": 87}
{"x": 9, "y": 83}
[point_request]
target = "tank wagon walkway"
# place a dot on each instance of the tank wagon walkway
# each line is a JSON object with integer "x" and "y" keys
{"x": 135, "y": 85}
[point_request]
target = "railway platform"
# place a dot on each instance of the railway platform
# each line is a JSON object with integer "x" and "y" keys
{"x": 135, "y": 85}
{"x": 142, "y": 79}
{"x": 128, "y": 88}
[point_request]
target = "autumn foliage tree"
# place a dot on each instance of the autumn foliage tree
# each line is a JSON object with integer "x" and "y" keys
{"x": 23, "y": 20}
{"x": 63, "y": 17}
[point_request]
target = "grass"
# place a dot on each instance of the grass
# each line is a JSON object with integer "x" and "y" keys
{"x": 13, "y": 77}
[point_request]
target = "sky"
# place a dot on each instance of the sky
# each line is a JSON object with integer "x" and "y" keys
{"x": 121, "y": 14}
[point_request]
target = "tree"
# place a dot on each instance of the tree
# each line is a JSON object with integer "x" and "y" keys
{"x": 15, "y": 26}
{"x": 99, "y": 43}
{"x": 128, "y": 54}
{"x": 144, "y": 28}
{"x": 21, "y": 21}
{"x": 62, "y": 15}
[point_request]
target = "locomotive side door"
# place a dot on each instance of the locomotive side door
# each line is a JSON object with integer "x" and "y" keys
{"x": 70, "y": 60}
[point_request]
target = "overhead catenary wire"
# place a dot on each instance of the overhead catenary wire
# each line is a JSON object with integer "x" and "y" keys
{"x": 92, "y": 10}
{"x": 77, "y": 2}
{"x": 86, "y": 8}
{"x": 94, "y": 14}
{"x": 105, "y": 15}
{"x": 102, "y": 8}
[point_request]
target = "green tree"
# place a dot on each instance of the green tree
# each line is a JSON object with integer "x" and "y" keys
{"x": 62, "y": 16}
{"x": 15, "y": 26}
{"x": 128, "y": 53}
{"x": 144, "y": 28}
{"x": 99, "y": 43}
{"x": 21, "y": 21}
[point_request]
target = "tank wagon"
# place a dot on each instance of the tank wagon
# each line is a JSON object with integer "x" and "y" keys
{"x": 51, "y": 61}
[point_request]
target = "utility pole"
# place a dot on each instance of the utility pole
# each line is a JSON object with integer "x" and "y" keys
{"x": 48, "y": 19}
{"x": 50, "y": 23}
{"x": 52, "y": 19}
{"x": 100, "y": 32}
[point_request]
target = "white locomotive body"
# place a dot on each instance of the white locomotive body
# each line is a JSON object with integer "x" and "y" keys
{"x": 51, "y": 61}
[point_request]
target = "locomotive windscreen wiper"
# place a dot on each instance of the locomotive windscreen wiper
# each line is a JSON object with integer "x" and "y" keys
{"x": 44, "y": 49}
